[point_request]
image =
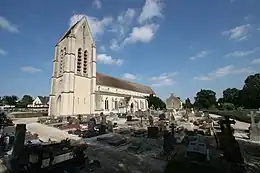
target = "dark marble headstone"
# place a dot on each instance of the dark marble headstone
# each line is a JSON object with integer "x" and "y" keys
{"x": 129, "y": 118}
{"x": 18, "y": 144}
{"x": 228, "y": 142}
{"x": 167, "y": 142}
{"x": 153, "y": 132}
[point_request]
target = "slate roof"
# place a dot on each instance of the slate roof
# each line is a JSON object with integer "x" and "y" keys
{"x": 44, "y": 99}
{"x": 106, "y": 80}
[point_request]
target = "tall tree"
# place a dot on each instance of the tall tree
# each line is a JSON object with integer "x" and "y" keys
{"x": 205, "y": 99}
{"x": 26, "y": 100}
{"x": 10, "y": 100}
{"x": 231, "y": 95}
{"x": 188, "y": 104}
{"x": 250, "y": 93}
{"x": 156, "y": 102}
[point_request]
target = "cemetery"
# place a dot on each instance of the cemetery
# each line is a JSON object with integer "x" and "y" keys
{"x": 148, "y": 141}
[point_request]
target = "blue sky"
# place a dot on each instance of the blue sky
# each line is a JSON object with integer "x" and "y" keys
{"x": 174, "y": 46}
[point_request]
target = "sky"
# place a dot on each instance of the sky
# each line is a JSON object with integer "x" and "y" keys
{"x": 174, "y": 46}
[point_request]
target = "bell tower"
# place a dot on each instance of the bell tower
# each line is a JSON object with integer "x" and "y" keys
{"x": 74, "y": 73}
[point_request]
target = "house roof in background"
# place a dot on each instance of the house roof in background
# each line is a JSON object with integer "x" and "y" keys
{"x": 44, "y": 99}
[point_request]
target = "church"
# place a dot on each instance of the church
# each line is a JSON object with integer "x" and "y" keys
{"x": 78, "y": 89}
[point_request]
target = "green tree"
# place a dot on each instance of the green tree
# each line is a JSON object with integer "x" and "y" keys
{"x": 26, "y": 100}
{"x": 156, "y": 102}
{"x": 232, "y": 95}
{"x": 250, "y": 94}
{"x": 220, "y": 101}
{"x": 1, "y": 101}
{"x": 187, "y": 104}
{"x": 205, "y": 99}
{"x": 228, "y": 106}
{"x": 10, "y": 100}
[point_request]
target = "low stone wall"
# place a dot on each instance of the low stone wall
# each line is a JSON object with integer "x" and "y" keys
{"x": 28, "y": 114}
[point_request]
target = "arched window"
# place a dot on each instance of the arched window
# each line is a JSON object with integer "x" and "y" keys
{"x": 79, "y": 60}
{"x": 61, "y": 61}
{"x": 83, "y": 33}
{"x": 106, "y": 104}
{"x": 64, "y": 56}
{"x": 116, "y": 104}
{"x": 85, "y": 62}
{"x": 141, "y": 104}
{"x": 137, "y": 105}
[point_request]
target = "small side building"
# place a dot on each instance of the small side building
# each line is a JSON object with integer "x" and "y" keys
{"x": 40, "y": 102}
{"x": 173, "y": 102}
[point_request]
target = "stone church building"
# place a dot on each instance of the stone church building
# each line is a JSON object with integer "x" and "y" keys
{"x": 76, "y": 87}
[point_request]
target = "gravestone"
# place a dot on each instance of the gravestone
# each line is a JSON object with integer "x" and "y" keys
{"x": 150, "y": 119}
{"x": 167, "y": 142}
{"x": 162, "y": 125}
{"x": 91, "y": 125}
{"x": 129, "y": 118}
{"x": 162, "y": 117}
{"x": 152, "y": 132}
{"x": 254, "y": 131}
{"x": 228, "y": 142}
{"x": 103, "y": 119}
{"x": 172, "y": 118}
{"x": 110, "y": 126}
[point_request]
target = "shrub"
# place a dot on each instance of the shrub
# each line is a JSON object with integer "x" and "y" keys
{"x": 228, "y": 106}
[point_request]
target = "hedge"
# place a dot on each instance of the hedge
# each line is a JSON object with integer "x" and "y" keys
{"x": 236, "y": 115}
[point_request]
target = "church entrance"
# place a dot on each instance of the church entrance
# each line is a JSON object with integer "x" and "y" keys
{"x": 132, "y": 108}
{"x": 58, "y": 106}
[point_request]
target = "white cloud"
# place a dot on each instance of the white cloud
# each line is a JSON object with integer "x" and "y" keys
{"x": 97, "y": 4}
{"x": 3, "y": 52}
{"x": 129, "y": 14}
{"x": 122, "y": 27}
{"x": 106, "y": 59}
{"x": 102, "y": 48}
{"x": 238, "y": 33}
{"x": 31, "y": 70}
{"x": 114, "y": 44}
{"x": 165, "y": 79}
{"x": 242, "y": 53}
{"x": 200, "y": 55}
{"x": 256, "y": 61}
{"x": 129, "y": 76}
{"x": 97, "y": 26}
{"x": 7, "y": 25}
{"x": 225, "y": 71}
{"x": 151, "y": 9}
{"x": 143, "y": 34}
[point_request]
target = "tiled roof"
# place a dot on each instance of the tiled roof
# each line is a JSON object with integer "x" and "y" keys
{"x": 106, "y": 80}
{"x": 44, "y": 99}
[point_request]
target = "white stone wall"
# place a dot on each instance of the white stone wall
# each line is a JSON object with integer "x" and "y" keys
{"x": 82, "y": 95}
{"x": 112, "y": 94}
